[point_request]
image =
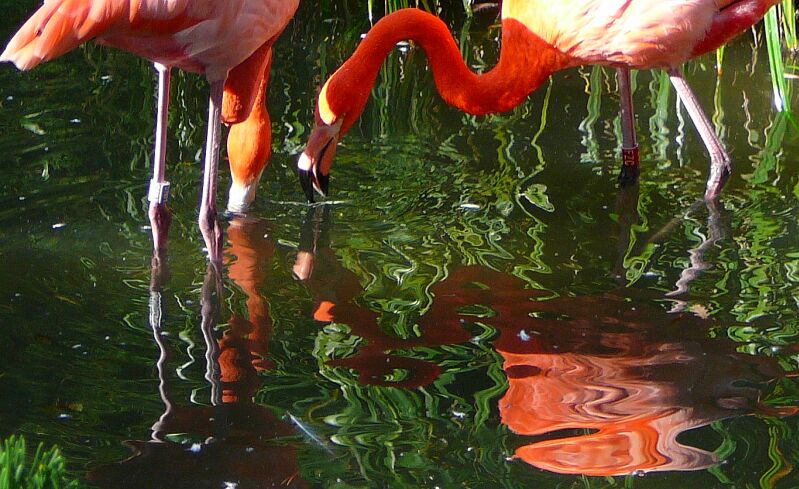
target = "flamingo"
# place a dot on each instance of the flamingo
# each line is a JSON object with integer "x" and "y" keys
{"x": 539, "y": 37}
{"x": 229, "y": 42}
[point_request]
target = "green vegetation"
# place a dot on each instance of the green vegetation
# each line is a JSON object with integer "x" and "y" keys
{"x": 46, "y": 470}
{"x": 779, "y": 33}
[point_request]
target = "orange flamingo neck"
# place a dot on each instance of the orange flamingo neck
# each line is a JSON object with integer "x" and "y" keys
{"x": 526, "y": 61}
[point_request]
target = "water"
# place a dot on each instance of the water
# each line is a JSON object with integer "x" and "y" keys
{"x": 481, "y": 305}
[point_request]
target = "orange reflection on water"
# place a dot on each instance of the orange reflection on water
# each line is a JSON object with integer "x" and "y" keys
{"x": 623, "y": 375}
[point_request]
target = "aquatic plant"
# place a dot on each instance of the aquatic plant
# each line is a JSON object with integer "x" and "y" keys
{"x": 46, "y": 470}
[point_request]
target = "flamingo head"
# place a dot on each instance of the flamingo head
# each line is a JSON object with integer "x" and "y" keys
{"x": 340, "y": 104}
{"x": 314, "y": 164}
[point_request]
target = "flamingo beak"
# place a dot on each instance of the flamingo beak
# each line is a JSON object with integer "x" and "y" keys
{"x": 313, "y": 167}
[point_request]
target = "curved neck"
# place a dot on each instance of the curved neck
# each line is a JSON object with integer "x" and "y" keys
{"x": 526, "y": 61}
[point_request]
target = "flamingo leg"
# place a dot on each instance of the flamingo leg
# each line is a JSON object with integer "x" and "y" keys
{"x": 209, "y": 225}
{"x": 160, "y": 217}
{"x": 720, "y": 163}
{"x": 631, "y": 162}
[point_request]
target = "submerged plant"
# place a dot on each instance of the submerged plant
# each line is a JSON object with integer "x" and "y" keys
{"x": 46, "y": 470}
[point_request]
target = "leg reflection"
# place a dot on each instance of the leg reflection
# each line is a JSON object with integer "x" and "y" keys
{"x": 715, "y": 232}
{"x": 232, "y": 439}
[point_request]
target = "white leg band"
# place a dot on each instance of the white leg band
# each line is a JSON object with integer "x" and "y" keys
{"x": 159, "y": 192}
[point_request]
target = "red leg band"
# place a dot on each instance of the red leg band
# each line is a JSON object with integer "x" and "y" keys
{"x": 630, "y": 156}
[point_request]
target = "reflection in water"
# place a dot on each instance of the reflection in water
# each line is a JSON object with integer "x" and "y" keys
{"x": 631, "y": 374}
{"x": 697, "y": 261}
{"x": 626, "y": 209}
{"x": 628, "y": 220}
{"x": 241, "y": 443}
{"x": 607, "y": 383}
{"x": 335, "y": 290}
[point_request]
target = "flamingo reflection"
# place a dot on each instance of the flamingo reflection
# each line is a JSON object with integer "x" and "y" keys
{"x": 621, "y": 368}
{"x": 335, "y": 290}
{"x": 240, "y": 443}
{"x": 605, "y": 384}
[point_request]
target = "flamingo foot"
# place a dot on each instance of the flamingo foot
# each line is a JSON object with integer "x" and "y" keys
{"x": 159, "y": 271}
{"x": 628, "y": 175}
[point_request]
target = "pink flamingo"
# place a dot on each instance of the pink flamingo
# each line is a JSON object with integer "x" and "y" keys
{"x": 539, "y": 37}
{"x": 229, "y": 42}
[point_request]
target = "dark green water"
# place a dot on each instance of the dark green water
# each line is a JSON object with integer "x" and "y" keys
{"x": 480, "y": 287}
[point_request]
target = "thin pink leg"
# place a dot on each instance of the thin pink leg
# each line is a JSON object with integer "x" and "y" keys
{"x": 160, "y": 217}
{"x": 211, "y": 230}
{"x": 720, "y": 163}
{"x": 631, "y": 162}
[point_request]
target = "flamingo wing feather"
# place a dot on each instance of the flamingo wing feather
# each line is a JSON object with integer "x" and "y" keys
{"x": 204, "y": 36}
{"x": 60, "y": 26}
{"x": 732, "y": 20}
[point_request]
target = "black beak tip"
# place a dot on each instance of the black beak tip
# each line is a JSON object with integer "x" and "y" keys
{"x": 306, "y": 182}
{"x": 324, "y": 183}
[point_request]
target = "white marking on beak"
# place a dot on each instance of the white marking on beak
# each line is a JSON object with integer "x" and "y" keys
{"x": 305, "y": 162}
